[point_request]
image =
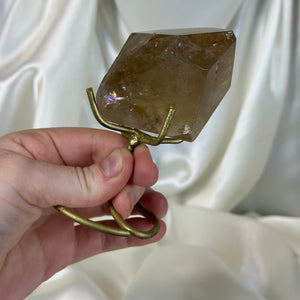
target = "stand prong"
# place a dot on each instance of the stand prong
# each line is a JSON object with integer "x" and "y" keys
{"x": 100, "y": 119}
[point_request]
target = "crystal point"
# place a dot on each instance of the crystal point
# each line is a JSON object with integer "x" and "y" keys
{"x": 188, "y": 69}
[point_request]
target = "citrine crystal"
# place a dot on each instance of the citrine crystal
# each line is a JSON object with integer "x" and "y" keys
{"x": 189, "y": 69}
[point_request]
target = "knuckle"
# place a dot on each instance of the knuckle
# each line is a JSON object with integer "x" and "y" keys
{"x": 89, "y": 190}
{"x": 84, "y": 178}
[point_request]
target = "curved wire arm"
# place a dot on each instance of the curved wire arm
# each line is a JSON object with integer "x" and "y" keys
{"x": 125, "y": 230}
{"x": 91, "y": 224}
{"x": 134, "y": 137}
{"x": 133, "y": 231}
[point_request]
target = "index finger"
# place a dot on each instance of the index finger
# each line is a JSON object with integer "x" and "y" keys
{"x": 69, "y": 146}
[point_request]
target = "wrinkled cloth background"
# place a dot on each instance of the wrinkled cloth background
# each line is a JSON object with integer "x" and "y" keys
{"x": 234, "y": 193}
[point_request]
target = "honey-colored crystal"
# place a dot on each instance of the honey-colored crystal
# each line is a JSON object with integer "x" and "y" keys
{"x": 188, "y": 69}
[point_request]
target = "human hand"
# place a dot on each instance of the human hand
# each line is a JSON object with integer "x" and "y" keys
{"x": 78, "y": 168}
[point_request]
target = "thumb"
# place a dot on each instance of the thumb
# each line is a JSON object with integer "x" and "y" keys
{"x": 47, "y": 184}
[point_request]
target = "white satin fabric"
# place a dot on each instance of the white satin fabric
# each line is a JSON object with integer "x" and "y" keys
{"x": 234, "y": 193}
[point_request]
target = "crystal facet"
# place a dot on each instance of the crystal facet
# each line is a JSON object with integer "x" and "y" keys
{"x": 187, "y": 69}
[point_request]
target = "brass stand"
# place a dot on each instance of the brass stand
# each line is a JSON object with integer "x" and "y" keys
{"x": 135, "y": 137}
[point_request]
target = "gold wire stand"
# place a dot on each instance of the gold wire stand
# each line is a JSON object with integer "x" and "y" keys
{"x": 135, "y": 137}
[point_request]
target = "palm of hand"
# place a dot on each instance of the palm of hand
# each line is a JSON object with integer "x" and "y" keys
{"x": 36, "y": 241}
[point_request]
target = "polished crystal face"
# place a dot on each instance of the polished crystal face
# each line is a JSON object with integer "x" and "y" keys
{"x": 188, "y": 69}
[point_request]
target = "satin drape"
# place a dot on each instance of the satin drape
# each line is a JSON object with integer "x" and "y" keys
{"x": 234, "y": 219}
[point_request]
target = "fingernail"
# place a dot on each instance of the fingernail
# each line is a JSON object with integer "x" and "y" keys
{"x": 112, "y": 165}
{"x": 135, "y": 194}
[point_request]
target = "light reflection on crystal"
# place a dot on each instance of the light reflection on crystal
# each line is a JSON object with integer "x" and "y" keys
{"x": 187, "y": 129}
{"x": 112, "y": 98}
